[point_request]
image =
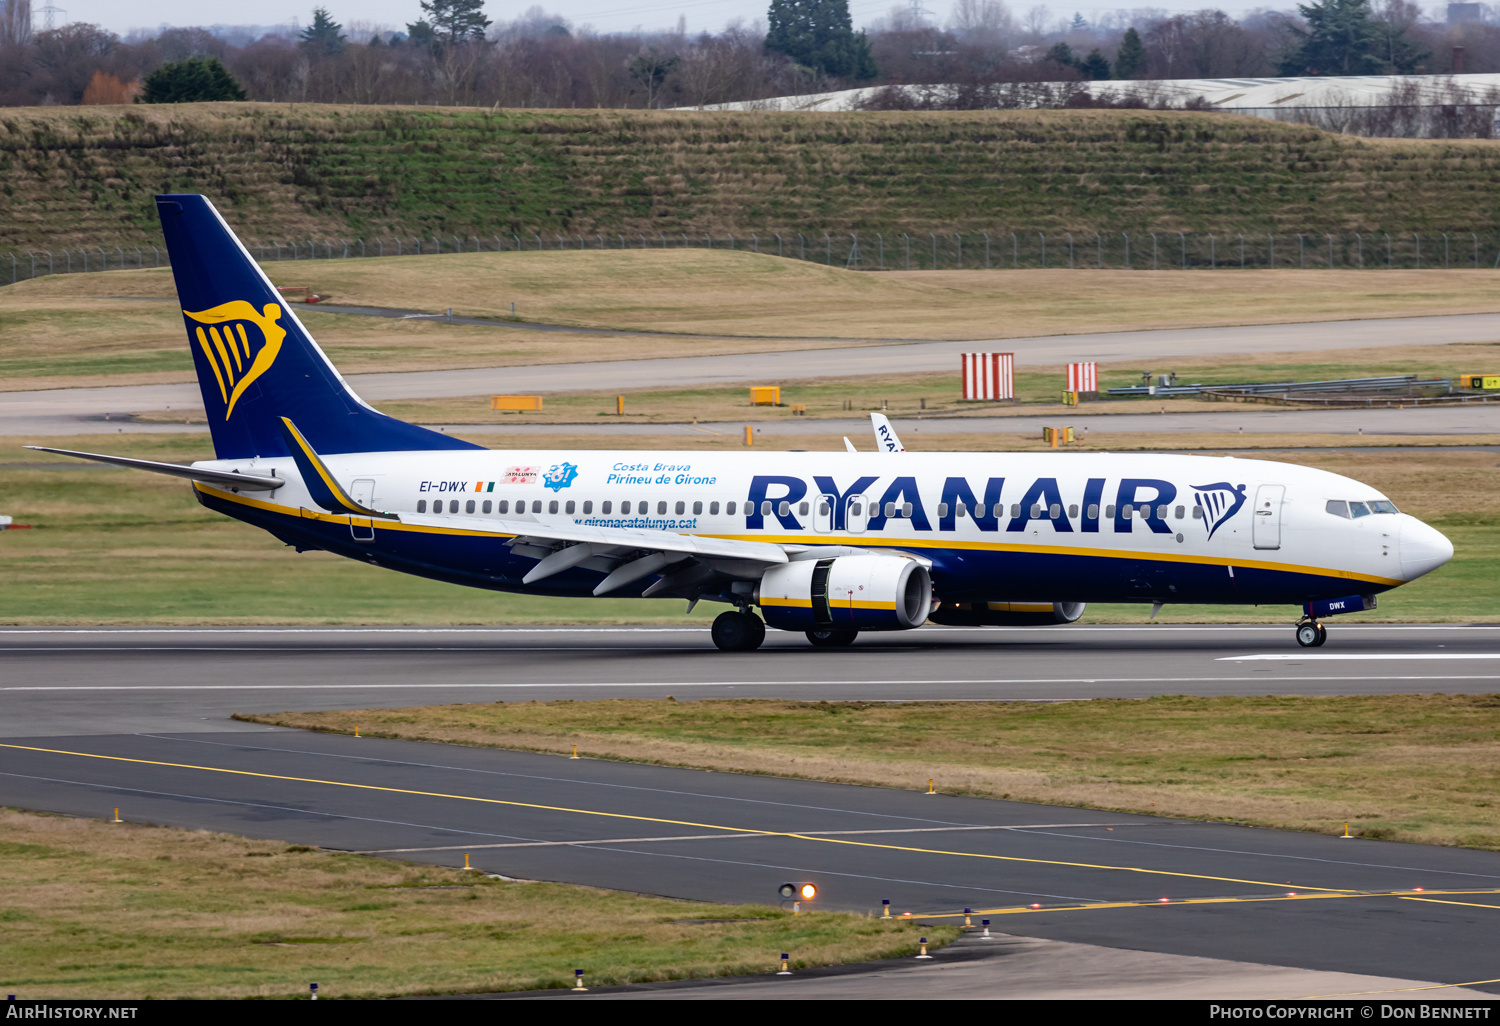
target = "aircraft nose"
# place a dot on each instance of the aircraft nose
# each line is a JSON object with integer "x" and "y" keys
{"x": 1423, "y": 549}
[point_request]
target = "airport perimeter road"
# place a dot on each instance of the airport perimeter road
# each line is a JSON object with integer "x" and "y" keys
{"x": 1185, "y": 888}
{"x": 73, "y": 411}
{"x": 1476, "y": 419}
{"x": 57, "y": 681}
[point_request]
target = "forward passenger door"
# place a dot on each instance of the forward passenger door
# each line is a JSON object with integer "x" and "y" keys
{"x": 1265, "y": 529}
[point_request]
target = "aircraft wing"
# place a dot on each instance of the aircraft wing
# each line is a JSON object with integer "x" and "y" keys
{"x": 627, "y": 554}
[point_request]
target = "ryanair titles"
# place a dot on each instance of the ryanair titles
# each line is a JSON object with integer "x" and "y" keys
{"x": 992, "y": 505}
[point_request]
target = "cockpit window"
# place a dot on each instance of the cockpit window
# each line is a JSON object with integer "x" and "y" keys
{"x": 1383, "y": 506}
{"x": 1358, "y": 509}
{"x": 1338, "y": 507}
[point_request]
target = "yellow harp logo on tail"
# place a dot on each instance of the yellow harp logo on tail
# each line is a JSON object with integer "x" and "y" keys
{"x": 236, "y": 357}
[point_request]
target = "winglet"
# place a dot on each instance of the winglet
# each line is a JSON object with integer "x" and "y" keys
{"x": 848, "y": 445}
{"x": 325, "y": 490}
{"x": 885, "y": 435}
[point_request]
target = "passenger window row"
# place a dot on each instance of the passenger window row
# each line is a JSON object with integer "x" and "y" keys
{"x": 1037, "y": 512}
{"x": 784, "y": 508}
{"x": 643, "y": 508}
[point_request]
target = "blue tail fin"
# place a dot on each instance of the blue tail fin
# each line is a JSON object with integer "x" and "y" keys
{"x": 256, "y": 362}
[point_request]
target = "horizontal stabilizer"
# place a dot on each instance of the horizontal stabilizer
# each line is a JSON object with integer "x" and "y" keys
{"x": 226, "y": 478}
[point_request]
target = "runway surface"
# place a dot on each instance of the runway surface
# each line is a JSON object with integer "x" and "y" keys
{"x": 109, "y": 680}
{"x": 74, "y": 411}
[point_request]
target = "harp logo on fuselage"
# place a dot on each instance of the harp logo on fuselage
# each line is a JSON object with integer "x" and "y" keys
{"x": 1220, "y": 502}
{"x": 239, "y": 344}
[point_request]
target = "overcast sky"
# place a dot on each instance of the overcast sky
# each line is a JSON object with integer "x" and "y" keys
{"x": 602, "y": 15}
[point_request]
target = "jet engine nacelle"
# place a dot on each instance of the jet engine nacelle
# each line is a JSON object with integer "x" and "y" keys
{"x": 1006, "y": 614}
{"x": 861, "y": 593}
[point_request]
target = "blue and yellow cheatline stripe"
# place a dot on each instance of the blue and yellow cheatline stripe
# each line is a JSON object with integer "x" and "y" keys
{"x": 861, "y": 541}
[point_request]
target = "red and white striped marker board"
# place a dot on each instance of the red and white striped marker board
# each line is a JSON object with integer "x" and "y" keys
{"x": 1083, "y": 377}
{"x": 989, "y": 375}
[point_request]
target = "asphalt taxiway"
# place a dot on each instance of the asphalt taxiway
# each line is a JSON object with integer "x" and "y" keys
{"x": 137, "y": 718}
{"x": 1142, "y": 883}
{"x": 80, "y": 410}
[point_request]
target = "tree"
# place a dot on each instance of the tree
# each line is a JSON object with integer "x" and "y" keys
{"x": 454, "y": 21}
{"x": 651, "y": 68}
{"x": 194, "y": 80}
{"x": 1094, "y": 66}
{"x": 819, "y": 34}
{"x": 418, "y": 34}
{"x": 1079, "y": 24}
{"x": 1339, "y": 40}
{"x": 1130, "y": 62}
{"x": 1393, "y": 19}
{"x": 1062, "y": 53}
{"x": 322, "y": 36}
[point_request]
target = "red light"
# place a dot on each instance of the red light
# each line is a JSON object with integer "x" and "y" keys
{"x": 1165, "y": 900}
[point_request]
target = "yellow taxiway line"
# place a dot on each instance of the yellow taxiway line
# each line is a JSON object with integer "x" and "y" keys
{"x": 1329, "y": 891}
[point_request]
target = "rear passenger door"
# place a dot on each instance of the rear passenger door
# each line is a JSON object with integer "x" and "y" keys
{"x": 362, "y": 492}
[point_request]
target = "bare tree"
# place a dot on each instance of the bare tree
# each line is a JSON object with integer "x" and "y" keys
{"x": 15, "y": 22}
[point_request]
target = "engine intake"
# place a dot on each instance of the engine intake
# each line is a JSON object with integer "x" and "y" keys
{"x": 1006, "y": 614}
{"x": 863, "y": 593}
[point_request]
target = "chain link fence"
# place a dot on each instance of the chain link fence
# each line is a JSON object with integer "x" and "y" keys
{"x": 880, "y": 251}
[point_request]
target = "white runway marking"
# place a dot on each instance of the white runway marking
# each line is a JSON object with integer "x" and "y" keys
{"x": 724, "y": 837}
{"x": 1057, "y": 631}
{"x": 1382, "y": 657}
{"x": 948, "y": 682}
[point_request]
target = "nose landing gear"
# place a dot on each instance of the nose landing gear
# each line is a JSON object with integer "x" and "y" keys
{"x": 1311, "y": 634}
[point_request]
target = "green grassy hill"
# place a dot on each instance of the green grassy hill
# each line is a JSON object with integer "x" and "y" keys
{"x": 70, "y": 175}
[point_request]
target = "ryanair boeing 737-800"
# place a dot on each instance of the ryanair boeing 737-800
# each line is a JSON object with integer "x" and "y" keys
{"x": 829, "y": 543}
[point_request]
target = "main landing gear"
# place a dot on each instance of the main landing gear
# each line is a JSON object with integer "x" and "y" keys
{"x": 1311, "y": 634}
{"x": 738, "y": 632}
{"x": 828, "y": 637}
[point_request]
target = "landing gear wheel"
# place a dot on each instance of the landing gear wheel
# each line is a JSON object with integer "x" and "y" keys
{"x": 1322, "y": 636}
{"x": 1310, "y": 634}
{"x": 738, "y": 632}
{"x": 757, "y": 631}
{"x": 828, "y": 637}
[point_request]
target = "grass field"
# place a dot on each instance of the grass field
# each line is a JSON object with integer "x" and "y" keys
{"x": 86, "y": 175}
{"x": 97, "y": 328}
{"x": 1398, "y": 767}
{"x": 95, "y": 910}
{"x": 118, "y": 546}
